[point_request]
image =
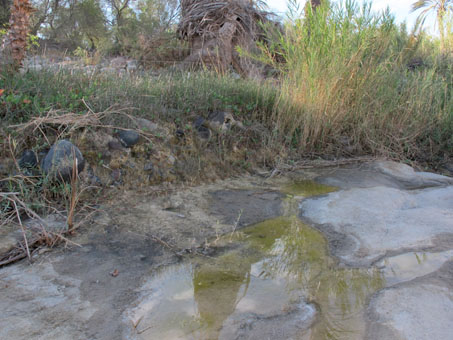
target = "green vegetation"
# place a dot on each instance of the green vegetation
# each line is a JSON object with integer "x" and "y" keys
{"x": 4, "y": 12}
{"x": 350, "y": 78}
{"x": 110, "y": 26}
{"x": 34, "y": 94}
{"x": 346, "y": 81}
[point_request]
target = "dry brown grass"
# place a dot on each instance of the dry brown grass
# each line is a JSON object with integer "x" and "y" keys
{"x": 206, "y": 17}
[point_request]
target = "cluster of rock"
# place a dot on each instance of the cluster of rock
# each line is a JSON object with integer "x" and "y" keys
{"x": 110, "y": 158}
{"x": 219, "y": 121}
{"x": 62, "y": 161}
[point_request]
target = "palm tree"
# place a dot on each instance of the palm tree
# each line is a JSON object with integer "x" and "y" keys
{"x": 15, "y": 42}
{"x": 315, "y": 3}
{"x": 441, "y": 7}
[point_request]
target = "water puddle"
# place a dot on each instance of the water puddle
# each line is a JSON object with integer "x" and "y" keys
{"x": 272, "y": 280}
{"x": 406, "y": 267}
{"x": 307, "y": 188}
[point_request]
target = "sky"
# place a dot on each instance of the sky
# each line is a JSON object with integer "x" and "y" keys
{"x": 400, "y": 8}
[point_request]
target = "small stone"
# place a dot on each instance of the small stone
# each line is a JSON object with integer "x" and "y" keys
{"x": 91, "y": 179}
{"x": 28, "y": 160}
{"x": 199, "y": 122}
{"x": 172, "y": 159}
{"x": 222, "y": 121}
{"x": 59, "y": 161}
{"x": 449, "y": 166}
{"x": 148, "y": 167}
{"x": 131, "y": 65}
{"x": 147, "y": 125}
{"x": 116, "y": 175}
{"x": 128, "y": 137}
{"x": 204, "y": 133}
{"x": 200, "y": 125}
{"x": 180, "y": 133}
{"x": 115, "y": 145}
{"x": 118, "y": 63}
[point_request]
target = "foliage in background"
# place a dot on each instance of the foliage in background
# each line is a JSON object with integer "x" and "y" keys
{"x": 5, "y": 6}
{"x": 442, "y": 9}
{"x": 107, "y": 26}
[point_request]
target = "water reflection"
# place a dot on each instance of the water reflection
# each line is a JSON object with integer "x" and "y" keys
{"x": 268, "y": 267}
{"x": 217, "y": 289}
{"x": 300, "y": 255}
{"x": 307, "y": 188}
{"x": 265, "y": 269}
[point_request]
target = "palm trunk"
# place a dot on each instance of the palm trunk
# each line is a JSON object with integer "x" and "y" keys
{"x": 440, "y": 19}
{"x": 315, "y": 3}
{"x": 15, "y": 42}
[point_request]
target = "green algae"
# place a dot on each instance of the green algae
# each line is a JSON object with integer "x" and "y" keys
{"x": 272, "y": 264}
{"x": 307, "y": 188}
{"x": 300, "y": 254}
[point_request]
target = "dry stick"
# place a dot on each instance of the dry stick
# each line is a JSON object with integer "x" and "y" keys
{"x": 143, "y": 330}
{"x": 80, "y": 222}
{"x": 35, "y": 215}
{"x": 23, "y": 230}
{"x": 12, "y": 153}
{"x": 54, "y": 237}
{"x": 236, "y": 225}
{"x": 73, "y": 200}
{"x": 165, "y": 244}
{"x": 93, "y": 120}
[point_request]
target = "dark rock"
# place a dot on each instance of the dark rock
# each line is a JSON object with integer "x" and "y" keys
{"x": 148, "y": 167}
{"x": 115, "y": 145}
{"x": 116, "y": 175}
{"x": 449, "y": 166}
{"x": 180, "y": 133}
{"x": 204, "y": 133}
{"x": 59, "y": 161}
{"x": 28, "y": 160}
{"x": 128, "y": 137}
{"x": 219, "y": 117}
{"x": 199, "y": 122}
{"x": 200, "y": 125}
{"x": 41, "y": 155}
{"x": 222, "y": 121}
{"x": 91, "y": 178}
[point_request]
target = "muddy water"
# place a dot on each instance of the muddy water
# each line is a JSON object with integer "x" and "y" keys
{"x": 274, "y": 279}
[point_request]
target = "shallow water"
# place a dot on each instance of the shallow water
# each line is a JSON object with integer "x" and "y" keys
{"x": 274, "y": 279}
{"x": 408, "y": 266}
{"x": 307, "y": 188}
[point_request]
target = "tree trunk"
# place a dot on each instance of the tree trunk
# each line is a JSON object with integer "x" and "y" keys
{"x": 440, "y": 20}
{"x": 15, "y": 42}
{"x": 315, "y": 3}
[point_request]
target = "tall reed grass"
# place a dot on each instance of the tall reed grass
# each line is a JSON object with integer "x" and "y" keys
{"x": 347, "y": 84}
